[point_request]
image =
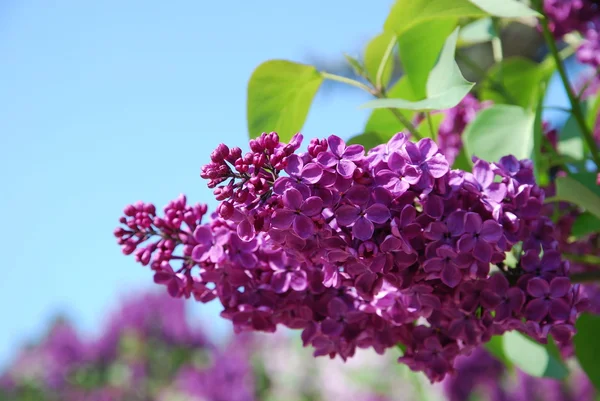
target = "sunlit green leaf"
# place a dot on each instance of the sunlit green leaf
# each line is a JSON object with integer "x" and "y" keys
{"x": 419, "y": 49}
{"x": 280, "y": 93}
{"x": 382, "y": 121}
{"x": 570, "y": 142}
{"x": 407, "y": 13}
{"x": 580, "y": 189}
{"x": 587, "y": 346}
{"x": 532, "y": 357}
{"x": 499, "y": 131}
{"x": 505, "y": 8}
{"x": 585, "y": 224}
{"x": 374, "y": 52}
{"x": 521, "y": 79}
{"x": 445, "y": 88}
{"x": 478, "y": 31}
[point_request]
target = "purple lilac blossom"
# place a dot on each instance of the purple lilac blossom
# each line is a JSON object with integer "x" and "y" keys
{"x": 368, "y": 258}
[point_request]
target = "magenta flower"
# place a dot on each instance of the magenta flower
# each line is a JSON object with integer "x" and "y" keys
{"x": 549, "y": 298}
{"x": 505, "y": 300}
{"x": 479, "y": 237}
{"x": 210, "y": 245}
{"x": 341, "y": 157}
{"x": 361, "y": 218}
{"x": 425, "y": 156}
{"x": 444, "y": 267}
{"x": 297, "y": 213}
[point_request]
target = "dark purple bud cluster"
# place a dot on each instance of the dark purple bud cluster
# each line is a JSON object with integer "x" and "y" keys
{"x": 368, "y": 250}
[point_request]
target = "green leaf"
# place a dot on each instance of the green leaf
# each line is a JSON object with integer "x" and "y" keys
{"x": 499, "y": 131}
{"x": 580, "y": 189}
{"x": 521, "y": 79}
{"x": 585, "y": 224}
{"x": 532, "y": 357}
{"x": 357, "y": 67}
{"x": 407, "y": 13}
{"x": 505, "y": 8}
{"x": 382, "y": 121}
{"x": 587, "y": 346}
{"x": 280, "y": 93}
{"x": 496, "y": 348}
{"x": 592, "y": 113}
{"x": 462, "y": 161}
{"x": 570, "y": 141}
{"x": 419, "y": 49}
{"x": 374, "y": 52}
{"x": 368, "y": 139}
{"x": 446, "y": 86}
{"x": 478, "y": 31}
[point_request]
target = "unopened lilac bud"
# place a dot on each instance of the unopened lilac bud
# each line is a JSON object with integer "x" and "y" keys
{"x": 225, "y": 210}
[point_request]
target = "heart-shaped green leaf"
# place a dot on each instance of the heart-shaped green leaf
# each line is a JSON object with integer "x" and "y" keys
{"x": 408, "y": 13}
{"x": 446, "y": 86}
{"x": 280, "y": 93}
{"x": 532, "y": 357}
{"x": 499, "y": 131}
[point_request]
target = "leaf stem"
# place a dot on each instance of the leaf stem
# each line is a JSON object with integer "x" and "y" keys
{"x": 384, "y": 60}
{"x": 575, "y": 105}
{"x": 378, "y": 93}
{"x": 347, "y": 81}
{"x": 497, "y": 48}
{"x": 430, "y": 123}
{"x": 587, "y": 259}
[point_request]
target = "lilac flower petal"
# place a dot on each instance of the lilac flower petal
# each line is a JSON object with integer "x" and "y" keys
{"x": 298, "y": 281}
{"x": 491, "y": 231}
{"x": 245, "y": 230}
{"x": 354, "y": 152}
{"x": 559, "y": 309}
{"x": 451, "y": 276}
{"x": 292, "y": 199}
{"x": 248, "y": 260}
{"x": 433, "y": 265}
{"x": 538, "y": 287}
{"x": 482, "y": 251}
{"x": 466, "y": 243}
{"x": 331, "y": 327}
{"x": 412, "y": 175}
{"x": 358, "y": 194}
{"x": 336, "y": 145}
{"x": 413, "y": 153}
{"x": 336, "y": 308}
{"x": 346, "y": 215}
{"x": 303, "y": 226}
{"x": 396, "y": 162}
{"x": 496, "y": 192}
{"x": 438, "y": 166}
{"x": 363, "y": 229}
{"x": 427, "y": 147}
{"x": 483, "y": 173}
{"x": 312, "y": 173}
{"x": 378, "y": 213}
{"x": 294, "y": 165}
{"x": 472, "y": 222}
{"x": 516, "y": 299}
{"x": 559, "y": 287}
{"x": 327, "y": 159}
{"x": 280, "y": 281}
{"x": 203, "y": 235}
{"x": 434, "y": 207}
{"x": 282, "y": 219}
{"x": 312, "y": 206}
{"x": 536, "y": 309}
{"x": 346, "y": 168}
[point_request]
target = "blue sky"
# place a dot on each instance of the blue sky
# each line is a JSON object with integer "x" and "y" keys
{"x": 105, "y": 103}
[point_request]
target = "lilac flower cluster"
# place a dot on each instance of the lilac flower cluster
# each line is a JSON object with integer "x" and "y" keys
{"x": 365, "y": 250}
{"x": 571, "y": 15}
{"x": 144, "y": 347}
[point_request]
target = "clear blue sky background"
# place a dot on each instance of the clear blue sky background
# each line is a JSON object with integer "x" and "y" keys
{"x": 103, "y": 103}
